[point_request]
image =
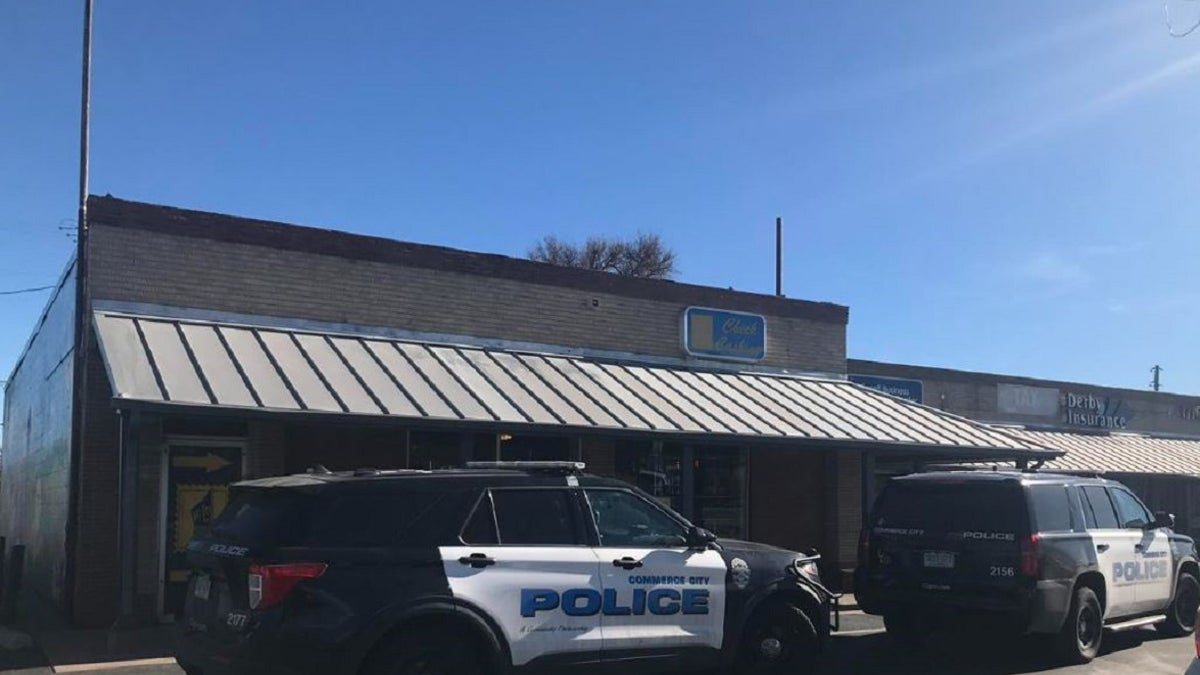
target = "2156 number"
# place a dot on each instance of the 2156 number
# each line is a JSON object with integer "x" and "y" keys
{"x": 1003, "y": 571}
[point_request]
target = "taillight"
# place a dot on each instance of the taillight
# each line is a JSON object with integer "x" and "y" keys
{"x": 270, "y": 584}
{"x": 1197, "y": 636}
{"x": 1030, "y": 556}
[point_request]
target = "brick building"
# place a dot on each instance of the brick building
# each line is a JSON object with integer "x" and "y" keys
{"x": 222, "y": 348}
{"x": 1146, "y": 439}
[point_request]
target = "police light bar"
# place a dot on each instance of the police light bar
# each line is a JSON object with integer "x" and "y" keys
{"x": 548, "y": 467}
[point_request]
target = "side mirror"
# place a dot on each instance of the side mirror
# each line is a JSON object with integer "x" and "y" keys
{"x": 1163, "y": 519}
{"x": 698, "y": 537}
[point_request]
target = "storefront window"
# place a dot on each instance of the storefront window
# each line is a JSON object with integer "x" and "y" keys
{"x": 718, "y": 495}
{"x": 520, "y": 448}
{"x": 720, "y": 487}
{"x": 653, "y": 468}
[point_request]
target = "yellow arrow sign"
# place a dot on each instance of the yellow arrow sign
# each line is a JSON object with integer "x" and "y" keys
{"x": 209, "y": 462}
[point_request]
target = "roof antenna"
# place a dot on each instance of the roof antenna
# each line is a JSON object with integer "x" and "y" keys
{"x": 319, "y": 468}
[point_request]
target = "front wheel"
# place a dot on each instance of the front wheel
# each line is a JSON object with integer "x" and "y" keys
{"x": 779, "y": 639}
{"x": 1181, "y": 613}
{"x": 1079, "y": 641}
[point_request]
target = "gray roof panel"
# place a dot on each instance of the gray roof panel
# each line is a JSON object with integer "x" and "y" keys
{"x": 219, "y": 370}
{"x": 157, "y": 359}
{"x": 129, "y": 365}
{"x": 174, "y": 364}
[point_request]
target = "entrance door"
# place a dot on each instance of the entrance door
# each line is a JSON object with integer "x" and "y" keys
{"x": 196, "y": 479}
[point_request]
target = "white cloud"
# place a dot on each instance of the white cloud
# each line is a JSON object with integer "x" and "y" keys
{"x": 1053, "y": 273}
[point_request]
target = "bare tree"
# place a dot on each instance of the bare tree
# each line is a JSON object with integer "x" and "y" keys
{"x": 646, "y": 255}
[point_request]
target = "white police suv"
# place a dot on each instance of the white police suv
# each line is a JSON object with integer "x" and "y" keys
{"x": 498, "y": 567}
{"x": 1031, "y": 552}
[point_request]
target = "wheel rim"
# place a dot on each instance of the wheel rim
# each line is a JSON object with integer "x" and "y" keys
{"x": 773, "y": 646}
{"x": 1089, "y": 627}
{"x": 1186, "y": 603}
{"x": 770, "y": 648}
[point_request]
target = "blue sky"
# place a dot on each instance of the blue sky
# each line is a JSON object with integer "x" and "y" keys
{"x": 1001, "y": 186}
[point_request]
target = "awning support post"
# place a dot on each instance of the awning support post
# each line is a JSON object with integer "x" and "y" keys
{"x": 687, "y": 480}
{"x": 127, "y": 517}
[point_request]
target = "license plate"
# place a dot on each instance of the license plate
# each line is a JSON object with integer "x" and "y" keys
{"x": 203, "y": 586}
{"x": 939, "y": 559}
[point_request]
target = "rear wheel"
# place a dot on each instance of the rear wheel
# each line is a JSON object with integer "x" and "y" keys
{"x": 779, "y": 639}
{"x": 426, "y": 653}
{"x": 1079, "y": 640}
{"x": 1181, "y": 613}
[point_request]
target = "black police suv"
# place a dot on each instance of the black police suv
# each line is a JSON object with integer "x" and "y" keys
{"x": 496, "y": 567}
{"x": 1062, "y": 555}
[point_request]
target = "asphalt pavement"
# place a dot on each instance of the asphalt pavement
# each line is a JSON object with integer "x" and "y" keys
{"x": 863, "y": 648}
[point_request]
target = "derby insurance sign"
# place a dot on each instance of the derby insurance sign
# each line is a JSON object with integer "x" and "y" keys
{"x": 720, "y": 334}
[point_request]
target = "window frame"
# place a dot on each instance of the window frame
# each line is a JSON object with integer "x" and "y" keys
{"x": 578, "y": 525}
{"x": 597, "y": 542}
{"x": 1149, "y": 517}
{"x": 1086, "y": 495}
{"x": 1072, "y": 525}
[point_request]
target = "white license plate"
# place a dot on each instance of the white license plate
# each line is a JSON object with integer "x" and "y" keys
{"x": 203, "y": 586}
{"x": 939, "y": 559}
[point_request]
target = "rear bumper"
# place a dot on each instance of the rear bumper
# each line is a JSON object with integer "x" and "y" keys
{"x": 1035, "y": 609}
{"x": 251, "y": 655}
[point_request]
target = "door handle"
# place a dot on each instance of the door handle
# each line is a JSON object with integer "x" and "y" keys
{"x": 477, "y": 560}
{"x": 627, "y": 563}
{"x": 1101, "y": 548}
{"x": 1139, "y": 547}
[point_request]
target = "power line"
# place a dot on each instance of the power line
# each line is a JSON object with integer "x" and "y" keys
{"x": 27, "y": 290}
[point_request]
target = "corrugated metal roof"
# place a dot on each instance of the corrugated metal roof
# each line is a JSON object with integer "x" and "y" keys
{"x": 1117, "y": 452}
{"x": 197, "y": 363}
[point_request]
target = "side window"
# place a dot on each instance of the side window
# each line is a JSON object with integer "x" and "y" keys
{"x": 624, "y": 519}
{"x": 481, "y": 527}
{"x": 1133, "y": 515}
{"x": 1099, "y": 508}
{"x": 534, "y": 517}
{"x": 369, "y": 521}
{"x": 1051, "y": 510}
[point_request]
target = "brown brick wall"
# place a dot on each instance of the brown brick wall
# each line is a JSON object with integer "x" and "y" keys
{"x": 96, "y": 575}
{"x": 152, "y": 267}
{"x": 976, "y": 395}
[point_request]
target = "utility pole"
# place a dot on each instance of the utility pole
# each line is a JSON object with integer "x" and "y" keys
{"x": 83, "y": 322}
{"x": 779, "y": 257}
{"x": 1155, "y": 384}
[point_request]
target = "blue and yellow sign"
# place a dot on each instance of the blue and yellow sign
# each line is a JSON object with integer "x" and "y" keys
{"x": 718, "y": 334}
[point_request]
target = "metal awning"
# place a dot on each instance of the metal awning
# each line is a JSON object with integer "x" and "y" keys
{"x": 1117, "y": 452}
{"x": 236, "y": 366}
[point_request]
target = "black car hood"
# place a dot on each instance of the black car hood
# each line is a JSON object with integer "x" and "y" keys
{"x": 739, "y": 546}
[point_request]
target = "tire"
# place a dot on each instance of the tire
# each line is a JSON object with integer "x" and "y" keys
{"x": 1082, "y": 632}
{"x": 780, "y": 638}
{"x": 426, "y": 653}
{"x": 907, "y": 628}
{"x": 1181, "y": 613}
